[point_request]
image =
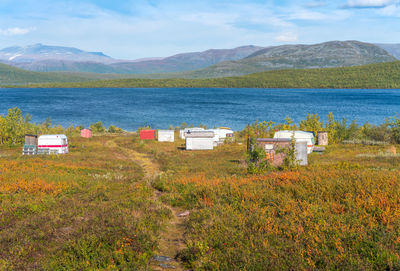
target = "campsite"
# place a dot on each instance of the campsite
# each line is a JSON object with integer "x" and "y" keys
{"x": 119, "y": 202}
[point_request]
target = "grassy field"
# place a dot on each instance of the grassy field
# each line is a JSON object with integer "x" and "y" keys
{"x": 112, "y": 204}
{"x": 380, "y": 76}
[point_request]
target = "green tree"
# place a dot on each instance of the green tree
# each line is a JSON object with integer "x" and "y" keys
{"x": 13, "y": 127}
{"x": 290, "y": 160}
{"x": 256, "y": 158}
{"x": 312, "y": 124}
{"x": 113, "y": 129}
{"x": 97, "y": 127}
{"x": 395, "y": 127}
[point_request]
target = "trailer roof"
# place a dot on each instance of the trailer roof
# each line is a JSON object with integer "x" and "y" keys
{"x": 52, "y": 136}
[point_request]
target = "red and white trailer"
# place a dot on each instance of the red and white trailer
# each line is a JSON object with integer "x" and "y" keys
{"x": 57, "y": 144}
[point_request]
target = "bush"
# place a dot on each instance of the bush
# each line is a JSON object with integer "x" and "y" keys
{"x": 395, "y": 127}
{"x": 256, "y": 159}
{"x": 113, "y": 129}
{"x": 97, "y": 127}
{"x": 13, "y": 127}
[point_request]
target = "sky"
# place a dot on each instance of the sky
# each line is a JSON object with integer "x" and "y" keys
{"x": 132, "y": 29}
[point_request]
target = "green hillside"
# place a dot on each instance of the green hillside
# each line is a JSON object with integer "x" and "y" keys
{"x": 14, "y": 76}
{"x": 383, "y": 75}
{"x": 10, "y": 75}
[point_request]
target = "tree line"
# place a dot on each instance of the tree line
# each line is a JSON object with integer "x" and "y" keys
{"x": 15, "y": 125}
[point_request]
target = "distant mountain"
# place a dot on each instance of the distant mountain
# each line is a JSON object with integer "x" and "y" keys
{"x": 57, "y": 65}
{"x": 45, "y": 58}
{"x": 186, "y": 61}
{"x": 393, "y": 49}
{"x": 323, "y": 55}
{"x": 210, "y": 63}
{"x": 40, "y": 52}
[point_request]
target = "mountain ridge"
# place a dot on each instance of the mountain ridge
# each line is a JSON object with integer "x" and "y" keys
{"x": 209, "y": 63}
{"x": 322, "y": 55}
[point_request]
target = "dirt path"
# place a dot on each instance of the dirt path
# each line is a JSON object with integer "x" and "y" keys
{"x": 171, "y": 240}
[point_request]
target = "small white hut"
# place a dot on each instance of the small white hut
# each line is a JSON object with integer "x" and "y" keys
{"x": 200, "y": 140}
{"x": 166, "y": 135}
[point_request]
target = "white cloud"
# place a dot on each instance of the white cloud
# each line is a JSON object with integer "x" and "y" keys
{"x": 287, "y": 37}
{"x": 316, "y": 4}
{"x": 14, "y": 31}
{"x": 369, "y": 3}
{"x": 392, "y": 10}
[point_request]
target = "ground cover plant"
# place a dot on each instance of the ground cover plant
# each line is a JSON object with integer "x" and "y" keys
{"x": 108, "y": 203}
{"x": 87, "y": 210}
{"x": 341, "y": 212}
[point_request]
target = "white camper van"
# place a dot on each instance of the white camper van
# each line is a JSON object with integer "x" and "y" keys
{"x": 57, "y": 144}
{"x": 299, "y": 136}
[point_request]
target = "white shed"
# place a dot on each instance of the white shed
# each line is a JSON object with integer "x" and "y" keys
{"x": 200, "y": 140}
{"x": 166, "y": 135}
{"x": 185, "y": 131}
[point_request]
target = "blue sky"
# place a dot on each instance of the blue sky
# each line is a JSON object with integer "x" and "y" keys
{"x": 151, "y": 28}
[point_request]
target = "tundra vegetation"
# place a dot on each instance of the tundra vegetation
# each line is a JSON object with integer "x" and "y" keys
{"x": 373, "y": 76}
{"x": 97, "y": 209}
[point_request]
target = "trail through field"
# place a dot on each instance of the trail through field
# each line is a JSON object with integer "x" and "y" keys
{"x": 171, "y": 239}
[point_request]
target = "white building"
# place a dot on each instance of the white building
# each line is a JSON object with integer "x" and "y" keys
{"x": 166, "y": 135}
{"x": 200, "y": 140}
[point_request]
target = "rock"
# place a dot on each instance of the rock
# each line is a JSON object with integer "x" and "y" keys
{"x": 167, "y": 266}
{"x": 185, "y": 213}
{"x": 163, "y": 259}
{"x": 319, "y": 149}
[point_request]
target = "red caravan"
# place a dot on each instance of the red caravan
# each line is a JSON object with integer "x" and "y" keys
{"x": 57, "y": 144}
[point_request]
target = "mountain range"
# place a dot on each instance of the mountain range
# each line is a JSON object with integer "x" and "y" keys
{"x": 324, "y": 55}
{"x": 206, "y": 64}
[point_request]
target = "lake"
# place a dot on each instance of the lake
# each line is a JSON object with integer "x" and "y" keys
{"x": 160, "y": 108}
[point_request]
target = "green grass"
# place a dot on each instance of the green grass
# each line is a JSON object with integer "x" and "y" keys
{"x": 381, "y": 76}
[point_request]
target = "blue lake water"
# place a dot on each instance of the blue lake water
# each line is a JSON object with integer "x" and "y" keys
{"x": 160, "y": 108}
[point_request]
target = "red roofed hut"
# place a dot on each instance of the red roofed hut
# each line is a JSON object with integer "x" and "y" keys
{"x": 148, "y": 134}
{"x": 87, "y": 133}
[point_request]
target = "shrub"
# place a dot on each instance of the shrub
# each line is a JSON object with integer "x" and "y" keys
{"x": 97, "y": 127}
{"x": 256, "y": 158}
{"x": 395, "y": 126}
{"x": 113, "y": 129}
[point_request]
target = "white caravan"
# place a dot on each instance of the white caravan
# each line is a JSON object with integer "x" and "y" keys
{"x": 57, "y": 144}
{"x": 299, "y": 136}
{"x": 185, "y": 131}
{"x": 200, "y": 140}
